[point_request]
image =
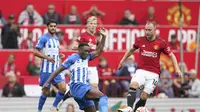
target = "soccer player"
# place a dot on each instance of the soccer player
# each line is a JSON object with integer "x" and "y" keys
{"x": 92, "y": 37}
{"x": 147, "y": 76}
{"x": 47, "y": 48}
{"x": 82, "y": 92}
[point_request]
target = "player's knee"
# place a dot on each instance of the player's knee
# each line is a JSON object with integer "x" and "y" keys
{"x": 134, "y": 85}
{"x": 144, "y": 95}
{"x": 62, "y": 87}
{"x": 46, "y": 91}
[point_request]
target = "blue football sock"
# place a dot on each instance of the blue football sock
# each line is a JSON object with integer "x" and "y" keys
{"x": 103, "y": 104}
{"x": 41, "y": 102}
{"x": 59, "y": 97}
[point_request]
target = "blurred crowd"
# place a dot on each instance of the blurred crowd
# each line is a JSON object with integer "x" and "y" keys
{"x": 114, "y": 83}
{"x": 30, "y": 16}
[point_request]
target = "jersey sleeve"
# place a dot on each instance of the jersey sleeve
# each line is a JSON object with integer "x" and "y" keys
{"x": 136, "y": 44}
{"x": 41, "y": 42}
{"x": 91, "y": 56}
{"x": 166, "y": 48}
{"x": 81, "y": 38}
{"x": 68, "y": 62}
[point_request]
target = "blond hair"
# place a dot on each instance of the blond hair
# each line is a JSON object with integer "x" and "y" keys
{"x": 92, "y": 18}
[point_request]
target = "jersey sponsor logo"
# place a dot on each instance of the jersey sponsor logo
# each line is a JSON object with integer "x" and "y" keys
{"x": 149, "y": 54}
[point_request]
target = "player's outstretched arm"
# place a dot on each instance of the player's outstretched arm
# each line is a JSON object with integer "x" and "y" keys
{"x": 100, "y": 46}
{"x": 74, "y": 45}
{"x": 127, "y": 54}
{"x": 54, "y": 74}
{"x": 175, "y": 63}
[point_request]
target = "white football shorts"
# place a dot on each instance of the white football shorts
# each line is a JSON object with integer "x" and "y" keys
{"x": 145, "y": 79}
{"x": 93, "y": 75}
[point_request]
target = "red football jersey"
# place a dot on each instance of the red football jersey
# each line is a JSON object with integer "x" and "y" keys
{"x": 149, "y": 53}
{"x": 88, "y": 38}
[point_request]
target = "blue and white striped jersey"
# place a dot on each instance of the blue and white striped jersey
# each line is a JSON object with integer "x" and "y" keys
{"x": 78, "y": 68}
{"x": 50, "y": 47}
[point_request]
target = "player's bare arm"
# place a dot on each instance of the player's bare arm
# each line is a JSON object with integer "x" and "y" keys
{"x": 175, "y": 63}
{"x": 53, "y": 75}
{"x": 74, "y": 45}
{"x": 100, "y": 47}
{"x": 127, "y": 54}
{"x": 39, "y": 54}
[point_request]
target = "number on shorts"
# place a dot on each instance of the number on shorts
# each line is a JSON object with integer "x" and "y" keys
{"x": 155, "y": 82}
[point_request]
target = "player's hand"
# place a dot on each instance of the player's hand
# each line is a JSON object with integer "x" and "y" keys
{"x": 51, "y": 60}
{"x": 180, "y": 74}
{"x": 103, "y": 32}
{"x": 61, "y": 56}
{"x": 45, "y": 85}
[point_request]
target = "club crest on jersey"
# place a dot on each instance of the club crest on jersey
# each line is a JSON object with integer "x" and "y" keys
{"x": 156, "y": 47}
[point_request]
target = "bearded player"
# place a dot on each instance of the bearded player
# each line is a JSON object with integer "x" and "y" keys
{"x": 47, "y": 49}
{"x": 92, "y": 37}
{"x": 147, "y": 75}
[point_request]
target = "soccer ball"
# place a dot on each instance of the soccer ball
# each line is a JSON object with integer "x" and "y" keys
{"x": 142, "y": 109}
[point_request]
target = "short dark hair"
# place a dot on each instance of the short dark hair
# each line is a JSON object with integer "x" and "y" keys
{"x": 51, "y": 21}
{"x": 83, "y": 44}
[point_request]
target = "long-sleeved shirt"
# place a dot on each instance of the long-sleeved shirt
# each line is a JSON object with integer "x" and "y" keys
{"x": 26, "y": 19}
{"x": 195, "y": 89}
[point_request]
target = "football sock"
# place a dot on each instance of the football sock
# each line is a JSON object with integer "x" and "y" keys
{"x": 140, "y": 103}
{"x": 42, "y": 100}
{"x": 59, "y": 97}
{"x": 103, "y": 104}
{"x": 131, "y": 97}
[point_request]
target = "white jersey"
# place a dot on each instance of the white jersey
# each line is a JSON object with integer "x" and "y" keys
{"x": 78, "y": 68}
{"x": 50, "y": 47}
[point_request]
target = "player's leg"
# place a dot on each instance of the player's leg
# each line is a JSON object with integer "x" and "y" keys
{"x": 150, "y": 85}
{"x": 45, "y": 91}
{"x": 90, "y": 109}
{"x": 136, "y": 82}
{"x": 143, "y": 98}
{"x": 59, "y": 80}
{"x": 86, "y": 105}
{"x": 78, "y": 91}
{"x": 97, "y": 95}
{"x": 94, "y": 81}
{"x": 66, "y": 96}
